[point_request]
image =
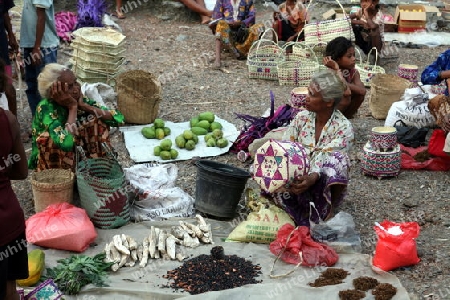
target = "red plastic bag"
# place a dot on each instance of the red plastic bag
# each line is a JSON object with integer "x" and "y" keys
{"x": 297, "y": 246}
{"x": 396, "y": 250}
{"x": 436, "y": 144}
{"x": 61, "y": 226}
{"x": 433, "y": 163}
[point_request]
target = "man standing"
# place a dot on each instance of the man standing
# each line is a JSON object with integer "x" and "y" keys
{"x": 7, "y": 38}
{"x": 40, "y": 42}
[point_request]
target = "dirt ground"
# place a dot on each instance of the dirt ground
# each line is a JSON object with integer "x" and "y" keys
{"x": 171, "y": 44}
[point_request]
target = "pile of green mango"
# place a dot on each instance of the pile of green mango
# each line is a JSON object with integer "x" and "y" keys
{"x": 187, "y": 140}
{"x": 157, "y": 131}
{"x": 165, "y": 150}
{"x": 204, "y": 123}
{"x": 216, "y": 139}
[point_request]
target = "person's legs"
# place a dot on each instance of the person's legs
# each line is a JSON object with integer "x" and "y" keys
{"x": 13, "y": 267}
{"x": 10, "y": 91}
{"x": 355, "y": 103}
{"x": 217, "y": 63}
{"x": 119, "y": 10}
{"x": 199, "y": 7}
{"x": 32, "y": 73}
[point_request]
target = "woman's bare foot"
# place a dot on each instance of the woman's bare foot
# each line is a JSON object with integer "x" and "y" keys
{"x": 205, "y": 20}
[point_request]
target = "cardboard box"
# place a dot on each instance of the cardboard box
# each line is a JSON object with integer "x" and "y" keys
{"x": 335, "y": 13}
{"x": 410, "y": 17}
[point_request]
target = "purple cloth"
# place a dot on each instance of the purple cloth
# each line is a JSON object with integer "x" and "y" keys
{"x": 224, "y": 10}
{"x": 431, "y": 73}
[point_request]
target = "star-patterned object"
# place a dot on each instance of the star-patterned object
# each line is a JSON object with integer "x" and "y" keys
{"x": 278, "y": 162}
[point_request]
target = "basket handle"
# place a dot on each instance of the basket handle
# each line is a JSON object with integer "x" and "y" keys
{"x": 376, "y": 56}
{"x": 298, "y": 43}
{"x": 359, "y": 54}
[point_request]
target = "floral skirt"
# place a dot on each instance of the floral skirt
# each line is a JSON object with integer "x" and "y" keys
{"x": 225, "y": 35}
{"x": 90, "y": 137}
{"x": 317, "y": 203}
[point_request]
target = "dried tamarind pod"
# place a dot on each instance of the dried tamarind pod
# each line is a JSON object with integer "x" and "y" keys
{"x": 152, "y": 242}
{"x": 157, "y": 232}
{"x": 162, "y": 242}
{"x": 144, "y": 259}
{"x": 185, "y": 228}
{"x": 170, "y": 246}
{"x": 197, "y": 232}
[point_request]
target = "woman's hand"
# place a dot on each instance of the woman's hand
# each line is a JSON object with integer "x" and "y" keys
{"x": 303, "y": 183}
{"x": 59, "y": 93}
{"x": 328, "y": 62}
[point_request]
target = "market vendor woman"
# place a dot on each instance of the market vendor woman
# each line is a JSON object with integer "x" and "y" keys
{"x": 65, "y": 119}
{"x": 327, "y": 135}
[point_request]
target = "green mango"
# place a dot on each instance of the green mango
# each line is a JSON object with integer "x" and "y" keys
{"x": 207, "y": 115}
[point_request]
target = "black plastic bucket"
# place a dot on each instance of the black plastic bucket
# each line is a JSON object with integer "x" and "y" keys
{"x": 219, "y": 188}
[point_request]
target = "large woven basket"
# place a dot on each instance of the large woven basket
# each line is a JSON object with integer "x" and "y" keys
{"x": 366, "y": 70}
{"x": 385, "y": 89}
{"x": 263, "y": 58}
{"x": 138, "y": 96}
{"x": 103, "y": 192}
{"x": 52, "y": 186}
{"x": 325, "y": 31}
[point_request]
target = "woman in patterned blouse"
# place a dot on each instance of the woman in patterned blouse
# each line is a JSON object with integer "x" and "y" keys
{"x": 327, "y": 136}
{"x": 235, "y": 28}
{"x": 65, "y": 119}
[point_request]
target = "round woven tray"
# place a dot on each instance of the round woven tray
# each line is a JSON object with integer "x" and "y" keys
{"x": 52, "y": 186}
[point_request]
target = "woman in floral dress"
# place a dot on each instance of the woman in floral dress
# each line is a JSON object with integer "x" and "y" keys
{"x": 327, "y": 136}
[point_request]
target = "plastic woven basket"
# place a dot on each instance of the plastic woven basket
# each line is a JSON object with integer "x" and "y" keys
{"x": 52, "y": 186}
{"x": 138, "y": 96}
{"x": 366, "y": 70}
{"x": 103, "y": 192}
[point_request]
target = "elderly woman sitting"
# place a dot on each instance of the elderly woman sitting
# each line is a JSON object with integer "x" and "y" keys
{"x": 65, "y": 119}
{"x": 327, "y": 136}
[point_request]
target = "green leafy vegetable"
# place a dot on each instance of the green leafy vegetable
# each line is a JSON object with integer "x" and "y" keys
{"x": 77, "y": 271}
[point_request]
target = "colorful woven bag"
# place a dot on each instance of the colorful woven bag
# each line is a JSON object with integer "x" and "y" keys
{"x": 103, "y": 191}
{"x": 278, "y": 162}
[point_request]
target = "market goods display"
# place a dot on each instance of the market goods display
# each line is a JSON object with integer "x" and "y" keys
{"x": 216, "y": 139}
{"x": 330, "y": 276}
{"x": 381, "y": 163}
{"x": 384, "y": 291}
{"x": 204, "y": 123}
{"x": 124, "y": 251}
{"x": 213, "y": 272}
{"x": 157, "y": 131}
{"x": 36, "y": 265}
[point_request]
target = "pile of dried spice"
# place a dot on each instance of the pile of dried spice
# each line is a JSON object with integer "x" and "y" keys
{"x": 330, "y": 276}
{"x": 213, "y": 272}
{"x": 384, "y": 291}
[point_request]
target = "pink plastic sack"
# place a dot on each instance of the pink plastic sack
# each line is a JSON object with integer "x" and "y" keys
{"x": 297, "y": 246}
{"x": 61, "y": 226}
{"x": 396, "y": 246}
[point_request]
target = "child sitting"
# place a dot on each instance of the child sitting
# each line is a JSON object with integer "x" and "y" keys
{"x": 368, "y": 26}
{"x": 340, "y": 56}
{"x": 290, "y": 21}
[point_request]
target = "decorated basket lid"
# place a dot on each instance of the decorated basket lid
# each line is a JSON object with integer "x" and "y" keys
{"x": 278, "y": 162}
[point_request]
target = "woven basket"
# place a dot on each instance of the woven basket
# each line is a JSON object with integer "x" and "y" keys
{"x": 381, "y": 164}
{"x": 103, "y": 192}
{"x": 309, "y": 51}
{"x": 366, "y": 70}
{"x": 52, "y": 186}
{"x": 138, "y": 96}
{"x": 296, "y": 70}
{"x": 328, "y": 30}
{"x": 263, "y": 58}
{"x": 385, "y": 89}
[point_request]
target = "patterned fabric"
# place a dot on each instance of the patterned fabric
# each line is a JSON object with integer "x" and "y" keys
{"x": 53, "y": 145}
{"x": 334, "y": 175}
{"x": 431, "y": 73}
{"x": 337, "y": 135}
{"x": 328, "y": 158}
{"x": 276, "y": 163}
{"x": 224, "y": 10}
{"x": 223, "y": 33}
